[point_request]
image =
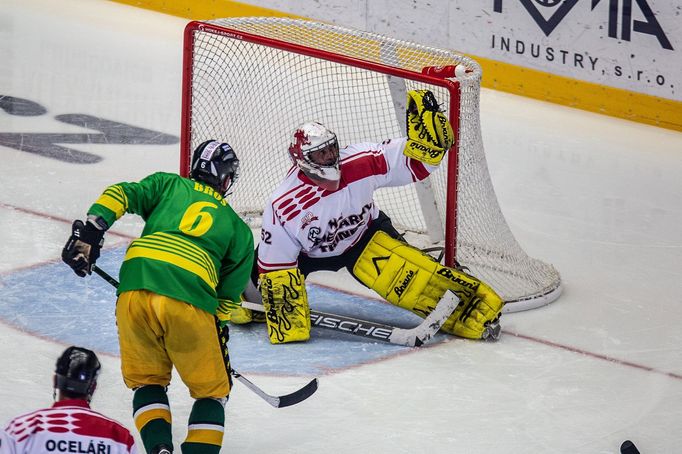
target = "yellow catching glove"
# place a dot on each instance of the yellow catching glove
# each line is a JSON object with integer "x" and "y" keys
{"x": 429, "y": 133}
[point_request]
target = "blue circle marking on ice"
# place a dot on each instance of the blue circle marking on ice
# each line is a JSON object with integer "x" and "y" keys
{"x": 52, "y": 302}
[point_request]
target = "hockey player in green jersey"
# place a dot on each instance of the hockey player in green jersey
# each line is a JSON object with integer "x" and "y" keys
{"x": 187, "y": 269}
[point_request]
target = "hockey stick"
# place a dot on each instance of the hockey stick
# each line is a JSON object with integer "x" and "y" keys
{"x": 104, "y": 275}
{"x": 280, "y": 401}
{"x": 410, "y": 337}
{"x": 276, "y": 401}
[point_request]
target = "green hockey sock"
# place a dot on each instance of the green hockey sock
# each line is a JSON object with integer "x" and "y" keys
{"x": 206, "y": 427}
{"x": 152, "y": 416}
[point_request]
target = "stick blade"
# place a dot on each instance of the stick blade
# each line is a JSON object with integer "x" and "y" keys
{"x": 279, "y": 401}
{"x": 419, "y": 335}
{"x": 628, "y": 447}
{"x": 298, "y": 396}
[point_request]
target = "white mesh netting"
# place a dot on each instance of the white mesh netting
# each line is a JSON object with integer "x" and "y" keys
{"x": 252, "y": 95}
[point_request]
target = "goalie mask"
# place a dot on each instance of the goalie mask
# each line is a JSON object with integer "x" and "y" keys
{"x": 315, "y": 150}
{"x": 76, "y": 372}
{"x": 215, "y": 164}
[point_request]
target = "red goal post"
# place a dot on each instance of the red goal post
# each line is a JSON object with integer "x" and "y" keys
{"x": 251, "y": 81}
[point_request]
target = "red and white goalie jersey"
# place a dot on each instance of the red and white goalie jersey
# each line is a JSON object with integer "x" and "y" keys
{"x": 301, "y": 217}
{"x": 68, "y": 426}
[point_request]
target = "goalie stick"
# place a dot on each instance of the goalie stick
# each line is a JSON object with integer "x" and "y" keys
{"x": 409, "y": 337}
{"x": 286, "y": 400}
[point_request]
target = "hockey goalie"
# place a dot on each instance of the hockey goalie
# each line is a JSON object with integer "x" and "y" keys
{"x": 323, "y": 217}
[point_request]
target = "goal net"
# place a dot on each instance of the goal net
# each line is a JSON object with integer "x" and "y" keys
{"x": 251, "y": 81}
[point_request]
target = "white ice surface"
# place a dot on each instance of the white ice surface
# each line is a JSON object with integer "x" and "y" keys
{"x": 600, "y": 198}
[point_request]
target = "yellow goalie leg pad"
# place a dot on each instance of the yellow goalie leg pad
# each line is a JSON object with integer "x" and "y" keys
{"x": 411, "y": 279}
{"x": 286, "y": 306}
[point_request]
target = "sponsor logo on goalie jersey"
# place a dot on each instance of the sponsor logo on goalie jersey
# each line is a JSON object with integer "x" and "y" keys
{"x": 339, "y": 229}
{"x": 313, "y": 234}
{"x": 308, "y": 219}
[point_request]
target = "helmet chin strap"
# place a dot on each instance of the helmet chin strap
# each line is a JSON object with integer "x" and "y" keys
{"x": 329, "y": 185}
{"x": 226, "y": 186}
{"x": 314, "y": 173}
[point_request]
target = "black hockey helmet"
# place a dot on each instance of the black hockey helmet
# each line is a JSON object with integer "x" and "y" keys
{"x": 76, "y": 372}
{"x": 215, "y": 164}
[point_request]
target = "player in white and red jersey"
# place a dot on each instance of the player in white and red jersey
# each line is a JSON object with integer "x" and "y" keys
{"x": 304, "y": 217}
{"x": 6, "y": 443}
{"x": 323, "y": 217}
{"x": 70, "y": 425}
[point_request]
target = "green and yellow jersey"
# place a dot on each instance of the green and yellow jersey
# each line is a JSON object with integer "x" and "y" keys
{"x": 194, "y": 247}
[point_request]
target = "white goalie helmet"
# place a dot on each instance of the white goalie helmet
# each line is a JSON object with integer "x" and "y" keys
{"x": 315, "y": 150}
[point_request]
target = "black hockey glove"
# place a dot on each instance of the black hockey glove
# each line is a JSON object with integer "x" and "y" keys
{"x": 82, "y": 249}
